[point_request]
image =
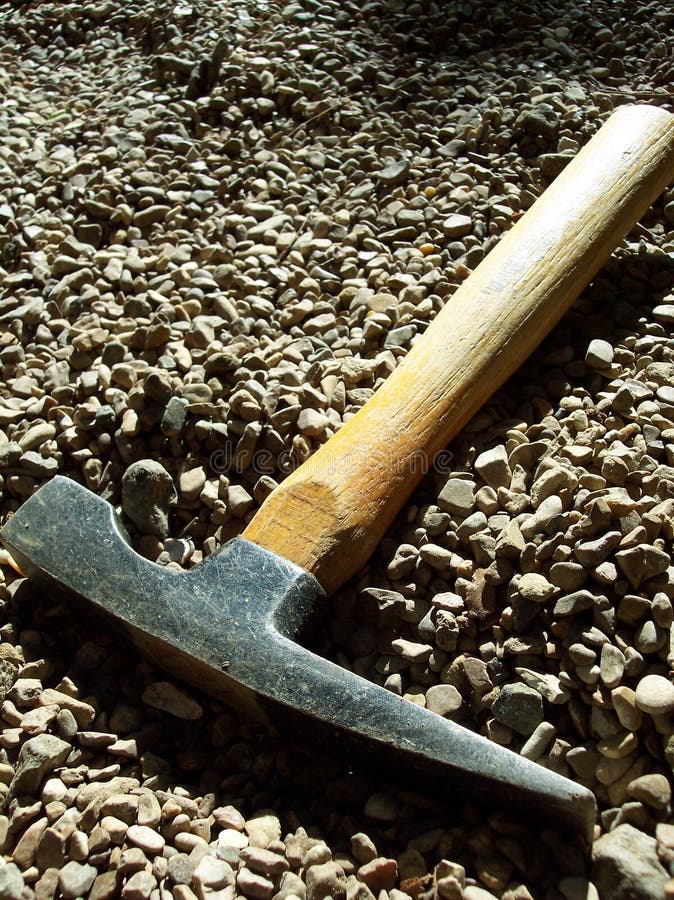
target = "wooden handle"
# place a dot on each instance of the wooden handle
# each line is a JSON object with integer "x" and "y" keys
{"x": 329, "y": 515}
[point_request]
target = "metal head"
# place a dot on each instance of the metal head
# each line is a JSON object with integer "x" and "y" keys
{"x": 228, "y": 627}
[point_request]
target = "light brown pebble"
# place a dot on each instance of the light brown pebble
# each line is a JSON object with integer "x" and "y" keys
{"x": 146, "y": 838}
{"x": 655, "y": 695}
{"x": 266, "y": 824}
{"x": 653, "y": 790}
{"x": 326, "y": 880}
{"x": 171, "y": 699}
{"x": 363, "y": 848}
{"x": 254, "y": 885}
{"x": 139, "y": 886}
{"x": 213, "y": 873}
{"x": 379, "y": 874}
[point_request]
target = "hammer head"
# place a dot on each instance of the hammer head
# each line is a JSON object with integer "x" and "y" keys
{"x": 229, "y": 625}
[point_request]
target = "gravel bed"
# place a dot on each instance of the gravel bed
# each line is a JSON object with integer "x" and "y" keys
{"x": 221, "y": 227}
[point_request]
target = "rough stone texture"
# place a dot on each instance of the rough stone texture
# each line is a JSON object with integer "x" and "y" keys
{"x": 625, "y": 865}
{"x": 147, "y": 493}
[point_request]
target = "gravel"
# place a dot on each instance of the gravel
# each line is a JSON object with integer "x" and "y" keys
{"x": 221, "y": 227}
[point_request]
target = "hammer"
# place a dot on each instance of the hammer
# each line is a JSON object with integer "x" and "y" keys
{"x": 229, "y": 625}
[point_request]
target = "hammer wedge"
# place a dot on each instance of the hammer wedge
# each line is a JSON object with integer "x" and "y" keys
{"x": 229, "y": 625}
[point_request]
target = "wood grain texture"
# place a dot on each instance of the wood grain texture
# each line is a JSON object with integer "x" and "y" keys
{"x": 329, "y": 515}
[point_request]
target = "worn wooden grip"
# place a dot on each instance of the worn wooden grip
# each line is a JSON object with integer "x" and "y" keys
{"x": 329, "y": 515}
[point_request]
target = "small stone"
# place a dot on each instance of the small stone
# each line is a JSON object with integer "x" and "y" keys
{"x": 443, "y": 699}
{"x": 612, "y": 665}
{"x": 191, "y": 483}
{"x": 75, "y": 879}
{"x": 456, "y": 226}
{"x": 144, "y": 218}
{"x": 571, "y": 604}
{"x": 664, "y": 313}
{"x": 149, "y": 840}
{"x": 379, "y": 874}
{"x": 166, "y": 696}
{"x": 264, "y": 824}
{"x": 147, "y": 493}
{"x": 654, "y": 790}
{"x": 253, "y": 885}
{"x": 599, "y": 355}
{"x": 518, "y": 707}
{"x": 642, "y": 562}
{"x": 312, "y": 423}
{"x": 535, "y": 587}
{"x": 11, "y": 881}
{"x": 229, "y": 837}
{"x": 213, "y": 873}
{"x": 412, "y": 651}
{"x": 457, "y": 497}
{"x": 139, "y": 886}
{"x": 547, "y": 684}
{"x": 363, "y": 848}
{"x": 264, "y": 861}
{"x": 239, "y": 501}
{"x": 326, "y": 880}
{"x": 538, "y": 741}
{"x": 38, "y": 756}
{"x": 394, "y": 174}
{"x": 382, "y": 808}
{"x": 655, "y": 695}
{"x": 625, "y": 865}
{"x": 624, "y": 704}
{"x": 180, "y": 869}
{"x": 492, "y": 466}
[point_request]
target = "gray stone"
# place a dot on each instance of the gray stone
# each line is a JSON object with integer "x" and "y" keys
{"x": 492, "y": 466}
{"x": 456, "y": 226}
{"x": 599, "y": 354}
{"x": 11, "y": 881}
{"x": 172, "y": 699}
{"x": 625, "y": 865}
{"x": 38, "y": 756}
{"x": 443, "y": 699}
{"x": 147, "y": 493}
{"x": 174, "y": 417}
{"x": 326, "y": 880}
{"x": 75, "y": 879}
{"x": 519, "y": 707}
{"x": 457, "y": 497}
{"x": 394, "y": 174}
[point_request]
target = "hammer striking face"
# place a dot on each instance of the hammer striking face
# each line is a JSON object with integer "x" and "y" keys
{"x": 229, "y": 625}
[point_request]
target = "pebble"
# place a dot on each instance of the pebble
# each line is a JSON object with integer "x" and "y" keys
{"x": 653, "y": 790}
{"x": 457, "y": 497}
{"x": 599, "y": 354}
{"x": 519, "y": 707}
{"x": 38, "y": 756}
{"x": 535, "y": 587}
{"x": 75, "y": 879}
{"x": 173, "y": 700}
{"x": 655, "y": 695}
{"x": 149, "y": 840}
{"x": 326, "y": 880}
{"x": 443, "y": 699}
{"x": 147, "y": 493}
{"x": 492, "y": 466}
{"x": 625, "y": 864}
